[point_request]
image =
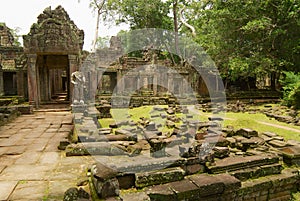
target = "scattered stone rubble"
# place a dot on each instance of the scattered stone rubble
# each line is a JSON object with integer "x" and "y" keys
{"x": 283, "y": 114}
{"x": 280, "y": 113}
{"x": 193, "y": 160}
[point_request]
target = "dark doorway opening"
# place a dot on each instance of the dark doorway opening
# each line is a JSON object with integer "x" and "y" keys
{"x": 10, "y": 83}
{"x": 53, "y": 75}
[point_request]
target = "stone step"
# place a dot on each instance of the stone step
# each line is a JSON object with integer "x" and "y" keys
{"x": 151, "y": 178}
{"x": 272, "y": 187}
{"x": 256, "y": 172}
{"x": 227, "y": 188}
{"x": 196, "y": 187}
{"x": 242, "y": 162}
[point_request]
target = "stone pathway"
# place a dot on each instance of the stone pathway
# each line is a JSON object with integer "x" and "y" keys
{"x": 31, "y": 166}
{"x": 279, "y": 126}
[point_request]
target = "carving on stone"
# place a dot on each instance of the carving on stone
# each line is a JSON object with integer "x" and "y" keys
{"x": 6, "y": 37}
{"x": 78, "y": 79}
{"x": 54, "y": 32}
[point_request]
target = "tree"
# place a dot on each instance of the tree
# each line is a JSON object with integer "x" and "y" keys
{"x": 249, "y": 38}
{"x": 140, "y": 14}
{"x": 16, "y": 36}
{"x": 291, "y": 89}
{"x": 99, "y": 7}
{"x": 102, "y": 42}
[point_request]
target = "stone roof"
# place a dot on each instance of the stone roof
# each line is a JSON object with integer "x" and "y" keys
{"x": 6, "y": 37}
{"x": 54, "y": 33}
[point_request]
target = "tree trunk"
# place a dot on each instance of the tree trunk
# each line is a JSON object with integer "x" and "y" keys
{"x": 175, "y": 4}
{"x": 96, "y": 31}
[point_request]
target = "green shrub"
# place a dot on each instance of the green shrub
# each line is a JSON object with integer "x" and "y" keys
{"x": 291, "y": 89}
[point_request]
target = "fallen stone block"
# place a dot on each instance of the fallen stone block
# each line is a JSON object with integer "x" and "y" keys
{"x": 121, "y": 137}
{"x": 104, "y": 180}
{"x": 161, "y": 192}
{"x": 158, "y": 148}
{"x": 277, "y": 143}
{"x": 291, "y": 155}
{"x": 158, "y": 177}
{"x": 246, "y": 132}
{"x": 221, "y": 152}
{"x": 93, "y": 148}
{"x": 76, "y": 194}
{"x": 270, "y": 134}
{"x": 193, "y": 168}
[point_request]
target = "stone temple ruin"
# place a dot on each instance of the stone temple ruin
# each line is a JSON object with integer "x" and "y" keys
{"x": 53, "y": 48}
{"x": 42, "y": 69}
{"x": 148, "y": 86}
{"x": 12, "y": 70}
{"x": 171, "y": 154}
{"x": 195, "y": 160}
{"x": 168, "y": 155}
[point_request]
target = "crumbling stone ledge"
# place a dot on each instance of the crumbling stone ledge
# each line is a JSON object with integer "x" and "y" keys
{"x": 8, "y": 113}
{"x": 228, "y": 188}
{"x": 240, "y": 162}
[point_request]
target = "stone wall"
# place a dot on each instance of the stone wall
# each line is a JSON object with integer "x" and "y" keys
{"x": 12, "y": 65}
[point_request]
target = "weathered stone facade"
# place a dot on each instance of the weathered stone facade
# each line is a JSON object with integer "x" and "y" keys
{"x": 54, "y": 48}
{"x": 12, "y": 69}
{"x": 148, "y": 80}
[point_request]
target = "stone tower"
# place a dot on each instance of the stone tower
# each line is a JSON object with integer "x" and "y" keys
{"x": 54, "y": 48}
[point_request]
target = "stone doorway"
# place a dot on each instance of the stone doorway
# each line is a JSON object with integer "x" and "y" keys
{"x": 54, "y": 85}
{"x": 54, "y": 51}
{"x": 108, "y": 82}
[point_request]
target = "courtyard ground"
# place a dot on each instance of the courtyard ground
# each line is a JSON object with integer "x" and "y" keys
{"x": 31, "y": 166}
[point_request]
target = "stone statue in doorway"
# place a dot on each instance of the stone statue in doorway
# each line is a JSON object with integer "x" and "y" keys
{"x": 78, "y": 79}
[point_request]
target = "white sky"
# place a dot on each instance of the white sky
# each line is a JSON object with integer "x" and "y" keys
{"x": 23, "y": 13}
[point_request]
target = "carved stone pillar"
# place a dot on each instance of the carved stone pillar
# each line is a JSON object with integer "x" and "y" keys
{"x": 93, "y": 81}
{"x": 170, "y": 82}
{"x": 20, "y": 83}
{"x": 32, "y": 80}
{"x": 73, "y": 66}
{"x": 155, "y": 83}
{"x": 120, "y": 82}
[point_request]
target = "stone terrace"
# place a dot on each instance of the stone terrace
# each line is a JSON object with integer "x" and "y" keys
{"x": 32, "y": 168}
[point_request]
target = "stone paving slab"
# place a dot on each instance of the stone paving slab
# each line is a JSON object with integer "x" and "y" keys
{"x": 15, "y": 150}
{"x": 2, "y": 167}
{"x": 26, "y": 172}
{"x": 57, "y": 188}
{"x": 6, "y": 188}
{"x": 31, "y": 166}
{"x": 30, "y": 190}
{"x": 2, "y": 150}
{"x": 50, "y": 158}
{"x": 28, "y": 158}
